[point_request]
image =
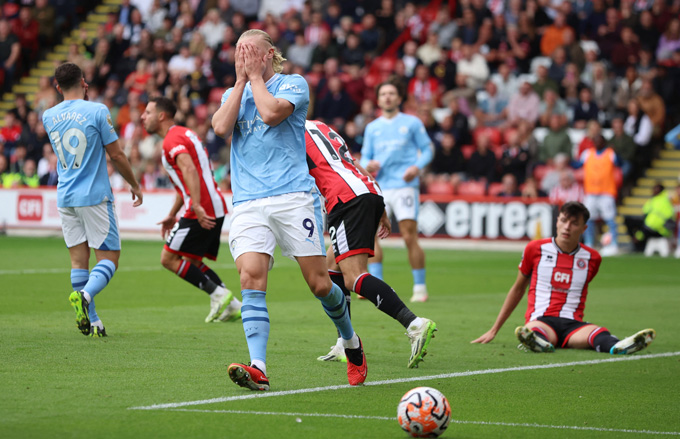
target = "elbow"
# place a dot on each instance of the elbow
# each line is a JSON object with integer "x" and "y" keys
{"x": 220, "y": 129}
{"x": 270, "y": 119}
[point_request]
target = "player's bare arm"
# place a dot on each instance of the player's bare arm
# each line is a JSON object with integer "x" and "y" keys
{"x": 411, "y": 173}
{"x": 122, "y": 165}
{"x": 511, "y": 300}
{"x": 272, "y": 110}
{"x": 225, "y": 117}
{"x": 193, "y": 183}
{"x": 373, "y": 166}
{"x": 385, "y": 226}
{"x": 169, "y": 221}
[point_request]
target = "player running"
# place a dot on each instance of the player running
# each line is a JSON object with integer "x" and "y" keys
{"x": 558, "y": 271}
{"x": 197, "y": 234}
{"x": 275, "y": 200}
{"x": 81, "y": 133}
{"x": 396, "y": 148}
{"x": 356, "y": 211}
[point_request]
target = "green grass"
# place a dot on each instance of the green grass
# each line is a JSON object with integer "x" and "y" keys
{"x": 56, "y": 383}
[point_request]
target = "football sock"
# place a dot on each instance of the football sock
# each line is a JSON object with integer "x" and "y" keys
{"x": 255, "y": 318}
{"x": 260, "y": 365}
{"x": 384, "y": 298}
{"x": 211, "y": 274}
{"x": 601, "y": 340}
{"x": 339, "y": 280}
{"x": 192, "y": 274}
{"x": 418, "y": 276}
{"x": 79, "y": 278}
{"x": 376, "y": 269}
{"x": 99, "y": 277}
{"x": 335, "y": 306}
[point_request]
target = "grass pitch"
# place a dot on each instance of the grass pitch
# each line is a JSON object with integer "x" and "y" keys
{"x": 162, "y": 372}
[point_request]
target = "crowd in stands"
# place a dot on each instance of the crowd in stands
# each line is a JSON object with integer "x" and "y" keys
{"x": 511, "y": 91}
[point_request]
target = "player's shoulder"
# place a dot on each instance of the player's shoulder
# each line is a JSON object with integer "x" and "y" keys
{"x": 536, "y": 244}
{"x": 594, "y": 254}
{"x": 293, "y": 83}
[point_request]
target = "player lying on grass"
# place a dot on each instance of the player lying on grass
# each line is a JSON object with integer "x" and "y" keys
{"x": 558, "y": 271}
{"x": 197, "y": 234}
{"x": 275, "y": 200}
{"x": 81, "y": 134}
{"x": 356, "y": 211}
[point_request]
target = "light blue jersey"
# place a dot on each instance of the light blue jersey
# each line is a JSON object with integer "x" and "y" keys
{"x": 265, "y": 160}
{"x": 397, "y": 144}
{"x": 78, "y": 131}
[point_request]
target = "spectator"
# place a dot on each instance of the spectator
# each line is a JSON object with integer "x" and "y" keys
{"x": 556, "y": 141}
{"x": 468, "y": 30}
{"x": 531, "y": 190}
{"x": 10, "y": 54}
{"x": 552, "y": 176}
{"x": 444, "y": 27}
{"x": 653, "y": 106}
{"x": 491, "y": 108}
{"x": 551, "y": 104}
{"x": 51, "y": 177}
{"x": 10, "y": 133}
{"x": 366, "y": 114}
{"x": 593, "y": 131}
{"x": 659, "y": 218}
{"x": 28, "y": 175}
{"x": 422, "y": 87}
{"x": 300, "y": 53}
{"x": 558, "y": 66}
{"x": 352, "y": 52}
{"x": 472, "y": 69}
{"x": 602, "y": 90}
{"x": 430, "y": 52}
{"x": 624, "y": 146}
{"x": 506, "y": 81}
{"x": 627, "y": 88}
{"x": 626, "y": 52}
{"x": 325, "y": 49}
{"x": 8, "y": 179}
{"x": 553, "y": 36}
{"x": 448, "y": 163}
{"x": 212, "y": 28}
{"x": 45, "y": 15}
{"x": 336, "y": 103}
{"x": 524, "y": 105}
{"x": 409, "y": 57}
{"x": 647, "y": 33}
{"x": 608, "y": 34}
{"x": 543, "y": 81}
{"x": 482, "y": 163}
{"x": 669, "y": 41}
{"x": 125, "y": 13}
{"x": 515, "y": 158}
{"x": 568, "y": 189}
{"x": 573, "y": 49}
{"x": 27, "y": 30}
{"x": 585, "y": 110}
{"x": 571, "y": 85}
{"x": 510, "y": 188}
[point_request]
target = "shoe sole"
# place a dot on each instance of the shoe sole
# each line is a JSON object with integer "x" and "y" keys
{"x": 431, "y": 328}
{"x": 231, "y": 318}
{"x": 227, "y": 300}
{"x": 333, "y": 357}
{"x": 528, "y": 339}
{"x": 643, "y": 339}
{"x": 242, "y": 377}
{"x": 82, "y": 315}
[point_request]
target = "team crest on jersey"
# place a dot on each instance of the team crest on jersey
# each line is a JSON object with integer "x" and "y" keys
{"x": 403, "y": 130}
{"x": 581, "y": 263}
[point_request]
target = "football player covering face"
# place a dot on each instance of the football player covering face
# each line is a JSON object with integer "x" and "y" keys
{"x": 569, "y": 231}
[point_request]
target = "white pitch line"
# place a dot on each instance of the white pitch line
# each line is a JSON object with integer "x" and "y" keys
{"x": 455, "y": 421}
{"x": 68, "y": 270}
{"x": 401, "y": 380}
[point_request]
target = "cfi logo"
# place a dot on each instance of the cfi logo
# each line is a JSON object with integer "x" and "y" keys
{"x": 581, "y": 263}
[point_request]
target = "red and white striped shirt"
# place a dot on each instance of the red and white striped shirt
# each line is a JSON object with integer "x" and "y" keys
{"x": 560, "y": 195}
{"x": 559, "y": 281}
{"x": 332, "y": 166}
{"x": 181, "y": 140}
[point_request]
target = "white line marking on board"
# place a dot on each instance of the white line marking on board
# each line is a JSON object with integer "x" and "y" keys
{"x": 158, "y": 267}
{"x": 401, "y": 380}
{"x": 455, "y": 421}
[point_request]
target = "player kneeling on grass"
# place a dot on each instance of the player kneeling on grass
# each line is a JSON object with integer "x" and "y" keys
{"x": 558, "y": 271}
{"x": 356, "y": 210}
{"x": 81, "y": 134}
{"x": 197, "y": 234}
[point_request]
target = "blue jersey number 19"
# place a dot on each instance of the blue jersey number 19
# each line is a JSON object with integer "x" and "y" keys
{"x": 64, "y": 143}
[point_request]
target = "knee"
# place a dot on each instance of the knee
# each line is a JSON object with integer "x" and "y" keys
{"x": 168, "y": 261}
{"x": 320, "y": 286}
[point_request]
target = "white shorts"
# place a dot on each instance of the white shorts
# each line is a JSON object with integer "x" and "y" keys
{"x": 403, "y": 202}
{"x": 293, "y": 221}
{"x": 601, "y": 207}
{"x": 97, "y": 225}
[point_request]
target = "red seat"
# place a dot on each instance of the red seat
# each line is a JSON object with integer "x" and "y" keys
{"x": 201, "y": 112}
{"x": 385, "y": 64}
{"x": 471, "y": 188}
{"x": 440, "y": 188}
{"x": 494, "y": 134}
{"x": 540, "y": 171}
{"x": 216, "y": 95}
{"x": 467, "y": 151}
{"x": 495, "y": 189}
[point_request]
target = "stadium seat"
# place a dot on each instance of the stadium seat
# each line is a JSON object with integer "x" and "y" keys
{"x": 201, "y": 112}
{"x": 495, "y": 189}
{"x": 540, "y": 171}
{"x": 471, "y": 188}
{"x": 216, "y": 95}
{"x": 440, "y": 188}
{"x": 507, "y": 133}
{"x": 467, "y": 151}
{"x": 618, "y": 177}
{"x": 495, "y": 136}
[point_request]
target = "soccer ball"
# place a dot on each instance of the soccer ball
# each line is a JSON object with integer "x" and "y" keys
{"x": 424, "y": 412}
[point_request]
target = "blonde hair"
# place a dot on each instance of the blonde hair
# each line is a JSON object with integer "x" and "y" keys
{"x": 278, "y": 59}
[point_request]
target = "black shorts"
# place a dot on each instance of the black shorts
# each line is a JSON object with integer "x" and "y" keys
{"x": 189, "y": 239}
{"x": 564, "y": 328}
{"x": 352, "y": 225}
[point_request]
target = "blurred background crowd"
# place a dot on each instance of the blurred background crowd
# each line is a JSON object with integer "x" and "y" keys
{"x": 510, "y": 91}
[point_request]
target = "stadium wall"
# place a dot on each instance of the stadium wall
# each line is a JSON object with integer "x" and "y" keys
{"x": 475, "y": 217}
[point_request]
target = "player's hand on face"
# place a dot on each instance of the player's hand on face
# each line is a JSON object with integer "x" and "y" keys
{"x": 206, "y": 221}
{"x": 137, "y": 196}
{"x": 240, "y": 63}
{"x": 373, "y": 166}
{"x": 254, "y": 63}
{"x": 385, "y": 227}
{"x": 411, "y": 173}
{"x": 487, "y": 337}
{"x": 167, "y": 224}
